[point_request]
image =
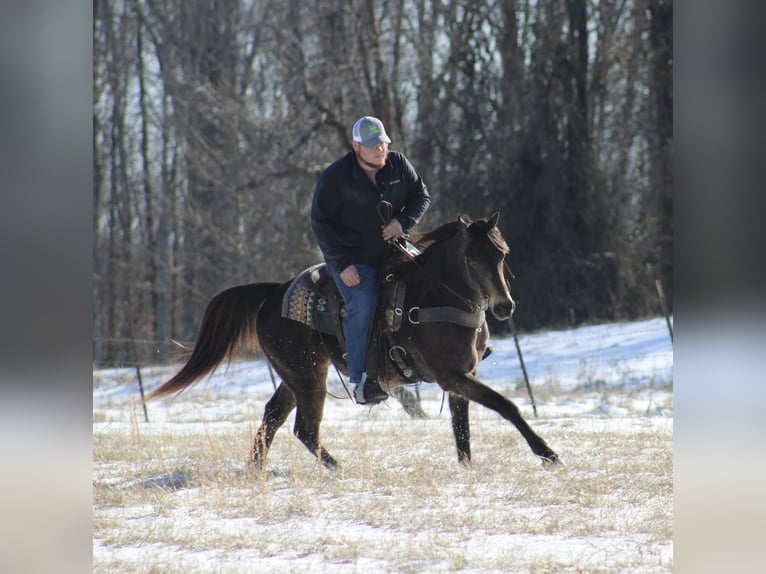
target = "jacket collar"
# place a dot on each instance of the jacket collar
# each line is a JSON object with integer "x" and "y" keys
{"x": 356, "y": 169}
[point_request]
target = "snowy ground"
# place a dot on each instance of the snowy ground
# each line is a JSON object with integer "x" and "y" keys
{"x": 175, "y": 494}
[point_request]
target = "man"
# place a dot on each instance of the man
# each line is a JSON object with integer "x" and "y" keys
{"x": 353, "y": 238}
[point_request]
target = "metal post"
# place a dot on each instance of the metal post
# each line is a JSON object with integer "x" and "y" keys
{"x": 521, "y": 360}
{"x": 661, "y": 294}
{"x": 129, "y": 315}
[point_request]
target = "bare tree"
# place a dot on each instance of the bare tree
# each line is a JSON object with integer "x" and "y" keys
{"x": 661, "y": 34}
{"x": 213, "y": 118}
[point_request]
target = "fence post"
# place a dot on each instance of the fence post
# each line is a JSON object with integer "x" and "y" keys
{"x": 129, "y": 316}
{"x": 523, "y": 366}
{"x": 661, "y": 294}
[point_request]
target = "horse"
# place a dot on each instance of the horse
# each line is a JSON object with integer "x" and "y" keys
{"x": 458, "y": 274}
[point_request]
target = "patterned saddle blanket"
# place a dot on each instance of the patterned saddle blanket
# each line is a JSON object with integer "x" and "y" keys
{"x": 313, "y": 299}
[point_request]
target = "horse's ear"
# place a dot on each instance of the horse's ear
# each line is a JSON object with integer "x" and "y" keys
{"x": 463, "y": 225}
{"x": 494, "y": 219}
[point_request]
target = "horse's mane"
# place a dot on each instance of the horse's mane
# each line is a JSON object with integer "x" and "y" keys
{"x": 447, "y": 231}
{"x": 440, "y": 246}
{"x": 436, "y": 244}
{"x": 427, "y": 238}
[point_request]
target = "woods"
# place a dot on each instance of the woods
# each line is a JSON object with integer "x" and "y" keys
{"x": 213, "y": 118}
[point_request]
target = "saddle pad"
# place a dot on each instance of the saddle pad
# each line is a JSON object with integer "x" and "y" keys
{"x": 304, "y": 303}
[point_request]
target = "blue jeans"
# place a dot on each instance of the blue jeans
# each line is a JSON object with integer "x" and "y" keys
{"x": 360, "y": 302}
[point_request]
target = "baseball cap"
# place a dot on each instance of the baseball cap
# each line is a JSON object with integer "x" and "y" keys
{"x": 370, "y": 132}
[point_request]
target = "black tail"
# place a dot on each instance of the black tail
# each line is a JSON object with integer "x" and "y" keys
{"x": 227, "y": 326}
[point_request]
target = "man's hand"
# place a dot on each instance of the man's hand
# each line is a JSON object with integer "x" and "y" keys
{"x": 350, "y": 276}
{"x": 392, "y": 231}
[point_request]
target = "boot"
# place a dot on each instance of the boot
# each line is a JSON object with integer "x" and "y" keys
{"x": 368, "y": 391}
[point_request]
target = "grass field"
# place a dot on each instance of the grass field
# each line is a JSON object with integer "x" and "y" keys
{"x": 176, "y": 494}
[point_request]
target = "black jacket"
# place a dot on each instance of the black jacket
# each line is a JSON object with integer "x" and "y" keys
{"x": 344, "y": 210}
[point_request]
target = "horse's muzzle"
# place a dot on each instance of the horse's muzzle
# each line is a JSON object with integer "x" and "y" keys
{"x": 503, "y": 311}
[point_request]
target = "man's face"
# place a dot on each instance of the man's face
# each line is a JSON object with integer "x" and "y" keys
{"x": 371, "y": 157}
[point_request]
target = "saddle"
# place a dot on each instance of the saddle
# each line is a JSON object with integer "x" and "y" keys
{"x": 313, "y": 299}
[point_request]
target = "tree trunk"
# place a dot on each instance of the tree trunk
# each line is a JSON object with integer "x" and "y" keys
{"x": 661, "y": 34}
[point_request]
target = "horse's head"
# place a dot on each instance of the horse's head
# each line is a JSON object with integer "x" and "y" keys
{"x": 485, "y": 260}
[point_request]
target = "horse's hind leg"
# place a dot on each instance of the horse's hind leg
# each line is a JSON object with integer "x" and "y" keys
{"x": 458, "y": 407}
{"x": 308, "y": 417}
{"x": 279, "y": 407}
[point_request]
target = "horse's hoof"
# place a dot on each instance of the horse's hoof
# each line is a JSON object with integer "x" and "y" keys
{"x": 551, "y": 459}
{"x": 329, "y": 462}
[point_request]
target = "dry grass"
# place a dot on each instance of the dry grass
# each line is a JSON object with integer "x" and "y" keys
{"x": 179, "y": 497}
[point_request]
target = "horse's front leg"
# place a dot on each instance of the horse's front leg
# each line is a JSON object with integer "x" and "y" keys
{"x": 458, "y": 407}
{"x": 471, "y": 388}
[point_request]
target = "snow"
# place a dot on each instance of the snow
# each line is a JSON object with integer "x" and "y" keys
{"x": 629, "y": 356}
{"x": 614, "y": 379}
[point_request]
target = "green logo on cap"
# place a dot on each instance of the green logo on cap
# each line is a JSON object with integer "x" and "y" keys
{"x": 373, "y": 129}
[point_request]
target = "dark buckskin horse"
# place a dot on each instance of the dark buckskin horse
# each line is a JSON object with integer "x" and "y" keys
{"x": 462, "y": 266}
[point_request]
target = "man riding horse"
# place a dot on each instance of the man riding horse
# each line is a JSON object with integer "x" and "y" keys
{"x": 353, "y": 239}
